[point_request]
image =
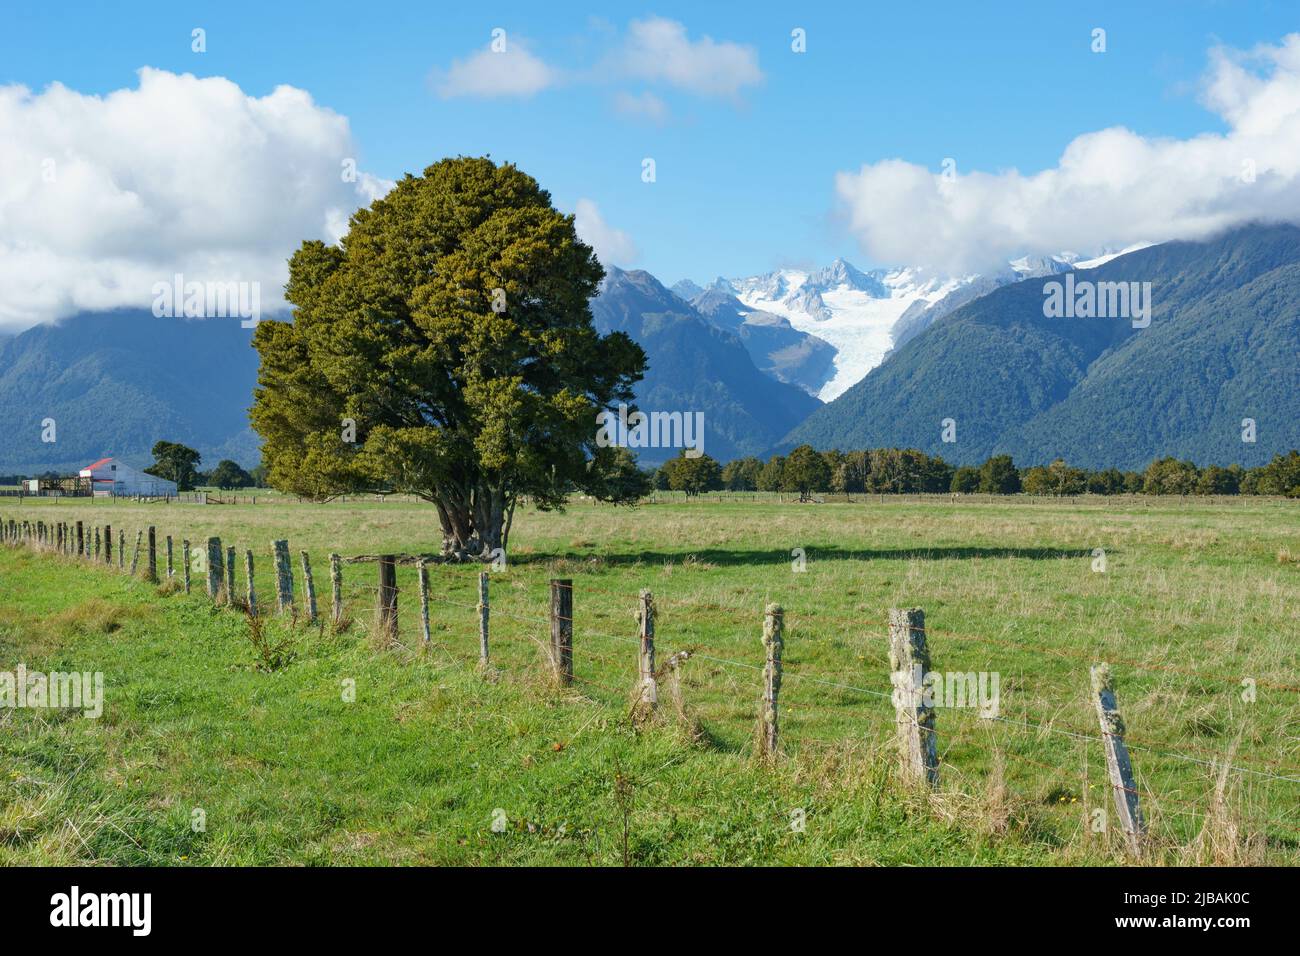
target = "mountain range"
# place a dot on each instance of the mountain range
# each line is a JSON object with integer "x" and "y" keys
{"x": 835, "y": 357}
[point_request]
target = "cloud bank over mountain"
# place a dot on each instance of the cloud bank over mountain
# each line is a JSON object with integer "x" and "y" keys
{"x": 103, "y": 196}
{"x": 1110, "y": 188}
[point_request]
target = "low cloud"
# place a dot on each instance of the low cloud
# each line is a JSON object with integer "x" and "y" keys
{"x": 1110, "y": 188}
{"x": 654, "y": 50}
{"x": 509, "y": 71}
{"x": 613, "y": 246}
{"x": 659, "y": 50}
{"x": 103, "y": 196}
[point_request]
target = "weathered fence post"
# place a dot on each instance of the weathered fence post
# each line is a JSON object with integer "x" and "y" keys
{"x": 58, "y": 537}
{"x": 422, "y": 571}
{"x": 283, "y": 576}
{"x": 108, "y": 544}
{"x": 562, "y": 630}
{"x": 121, "y": 549}
{"x": 214, "y": 568}
{"x": 185, "y": 562}
{"x": 153, "y": 555}
{"x": 248, "y": 572}
{"x": 308, "y": 588}
{"x": 909, "y": 662}
{"x": 386, "y": 598}
{"x": 97, "y": 544}
{"x": 336, "y": 589}
{"x": 81, "y": 540}
{"x": 171, "y": 570}
{"x": 483, "y": 618}
{"x": 230, "y": 577}
{"x": 774, "y": 645}
{"x": 135, "y": 555}
{"x": 649, "y": 691}
{"x": 1118, "y": 765}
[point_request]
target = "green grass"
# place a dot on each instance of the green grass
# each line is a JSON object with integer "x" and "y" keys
{"x": 1196, "y": 597}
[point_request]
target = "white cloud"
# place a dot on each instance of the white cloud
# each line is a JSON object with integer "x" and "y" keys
{"x": 644, "y": 106}
{"x": 658, "y": 49}
{"x": 104, "y": 196}
{"x": 655, "y": 50}
{"x": 613, "y": 246}
{"x": 511, "y": 72}
{"x": 1110, "y": 188}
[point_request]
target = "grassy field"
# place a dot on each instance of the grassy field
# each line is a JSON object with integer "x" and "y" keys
{"x": 1196, "y": 597}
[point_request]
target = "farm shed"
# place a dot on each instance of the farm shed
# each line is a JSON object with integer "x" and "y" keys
{"x": 109, "y": 477}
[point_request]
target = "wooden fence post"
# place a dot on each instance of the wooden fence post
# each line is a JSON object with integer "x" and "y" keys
{"x": 214, "y": 568}
{"x": 97, "y": 544}
{"x": 185, "y": 562}
{"x": 81, "y": 540}
{"x": 483, "y": 618}
{"x": 909, "y": 662}
{"x": 283, "y": 576}
{"x": 422, "y": 571}
{"x": 248, "y": 572}
{"x": 336, "y": 589}
{"x": 649, "y": 691}
{"x": 153, "y": 555}
{"x": 386, "y": 598}
{"x": 1118, "y": 766}
{"x": 562, "y": 630}
{"x": 171, "y": 569}
{"x": 135, "y": 555}
{"x": 121, "y": 549}
{"x": 230, "y": 577}
{"x": 108, "y": 544}
{"x": 773, "y": 645}
{"x": 308, "y": 588}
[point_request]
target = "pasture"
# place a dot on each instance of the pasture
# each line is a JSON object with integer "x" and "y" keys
{"x": 1195, "y": 610}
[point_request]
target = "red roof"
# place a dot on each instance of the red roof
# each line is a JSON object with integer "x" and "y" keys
{"x": 102, "y": 461}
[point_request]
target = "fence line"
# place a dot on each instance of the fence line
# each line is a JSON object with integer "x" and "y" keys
{"x": 917, "y": 731}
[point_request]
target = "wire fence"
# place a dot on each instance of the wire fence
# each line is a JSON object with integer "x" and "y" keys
{"x": 1047, "y": 749}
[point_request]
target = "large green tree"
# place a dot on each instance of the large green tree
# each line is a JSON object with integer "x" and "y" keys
{"x": 175, "y": 462}
{"x": 445, "y": 349}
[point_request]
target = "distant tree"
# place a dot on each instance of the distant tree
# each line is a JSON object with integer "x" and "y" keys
{"x": 805, "y": 471}
{"x": 445, "y": 348}
{"x": 1036, "y": 481}
{"x": 659, "y": 480}
{"x": 769, "y": 479}
{"x": 228, "y": 474}
{"x": 1281, "y": 476}
{"x": 1133, "y": 481}
{"x": 621, "y": 480}
{"x": 850, "y": 476}
{"x": 937, "y": 475}
{"x": 258, "y": 474}
{"x": 693, "y": 475}
{"x": 966, "y": 480}
{"x": 1218, "y": 481}
{"x": 1108, "y": 482}
{"x": 175, "y": 462}
{"x": 1169, "y": 476}
{"x": 998, "y": 476}
{"x": 741, "y": 474}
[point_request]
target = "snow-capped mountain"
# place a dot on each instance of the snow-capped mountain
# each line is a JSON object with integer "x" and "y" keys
{"x": 863, "y": 315}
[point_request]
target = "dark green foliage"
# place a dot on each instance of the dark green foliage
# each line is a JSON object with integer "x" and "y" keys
{"x": 693, "y": 475}
{"x": 176, "y": 462}
{"x": 228, "y": 474}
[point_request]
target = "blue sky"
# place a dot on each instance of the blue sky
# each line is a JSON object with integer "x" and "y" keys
{"x": 745, "y": 180}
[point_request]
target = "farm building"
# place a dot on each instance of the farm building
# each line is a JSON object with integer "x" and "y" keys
{"x": 109, "y": 477}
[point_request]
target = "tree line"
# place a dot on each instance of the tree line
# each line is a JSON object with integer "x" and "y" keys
{"x": 806, "y": 471}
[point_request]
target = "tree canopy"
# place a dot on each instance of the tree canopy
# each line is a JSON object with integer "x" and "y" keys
{"x": 445, "y": 349}
{"x": 175, "y": 462}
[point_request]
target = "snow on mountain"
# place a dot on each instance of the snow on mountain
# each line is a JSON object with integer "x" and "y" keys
{"x": 854, "y": 311}
{"x": 865, "y": 315}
